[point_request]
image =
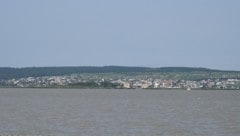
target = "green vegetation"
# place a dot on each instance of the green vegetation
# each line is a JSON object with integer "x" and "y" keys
{"x": 182, "y": 73}
{"x": 91, "y": 84}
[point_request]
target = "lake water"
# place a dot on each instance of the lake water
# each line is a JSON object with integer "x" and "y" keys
{"x": 73, "y": 112}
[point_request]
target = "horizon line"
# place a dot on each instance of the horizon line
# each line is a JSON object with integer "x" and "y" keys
{"x": 134, "y": 66}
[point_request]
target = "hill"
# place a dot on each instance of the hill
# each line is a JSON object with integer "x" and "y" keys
{"x": 10, "y": 73}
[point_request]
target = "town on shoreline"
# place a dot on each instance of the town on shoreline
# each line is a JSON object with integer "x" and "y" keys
{"x": 78, "y": 81}
{"x": 119, "y": 77}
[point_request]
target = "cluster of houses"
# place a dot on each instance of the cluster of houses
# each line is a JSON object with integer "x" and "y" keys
{"x": 51, "y": 81}
{"x": 184, "y": 84}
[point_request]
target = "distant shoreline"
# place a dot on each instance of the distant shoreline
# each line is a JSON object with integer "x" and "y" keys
{"x": 65, "y": 88}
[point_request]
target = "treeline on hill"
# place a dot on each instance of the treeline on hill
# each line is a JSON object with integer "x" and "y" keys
{"x": 10, "y": 73}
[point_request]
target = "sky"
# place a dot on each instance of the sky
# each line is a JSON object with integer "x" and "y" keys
{"x": 150, "y": 33}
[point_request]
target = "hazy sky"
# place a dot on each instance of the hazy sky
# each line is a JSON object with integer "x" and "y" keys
{"x": 154, "y": 33}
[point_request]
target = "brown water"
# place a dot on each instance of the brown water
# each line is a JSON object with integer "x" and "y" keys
{"x": 72, "y": 112}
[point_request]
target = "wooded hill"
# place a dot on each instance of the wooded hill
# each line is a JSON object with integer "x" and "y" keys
{"x": 10, "y": 73}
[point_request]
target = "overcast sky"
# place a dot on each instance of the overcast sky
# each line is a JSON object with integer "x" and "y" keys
{"x": 154, "y": 33}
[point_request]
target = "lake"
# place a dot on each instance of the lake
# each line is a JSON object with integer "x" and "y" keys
{"x": 76, "y": 112}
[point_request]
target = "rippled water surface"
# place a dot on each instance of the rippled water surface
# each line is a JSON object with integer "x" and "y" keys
{"x": 73, "y": 112}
